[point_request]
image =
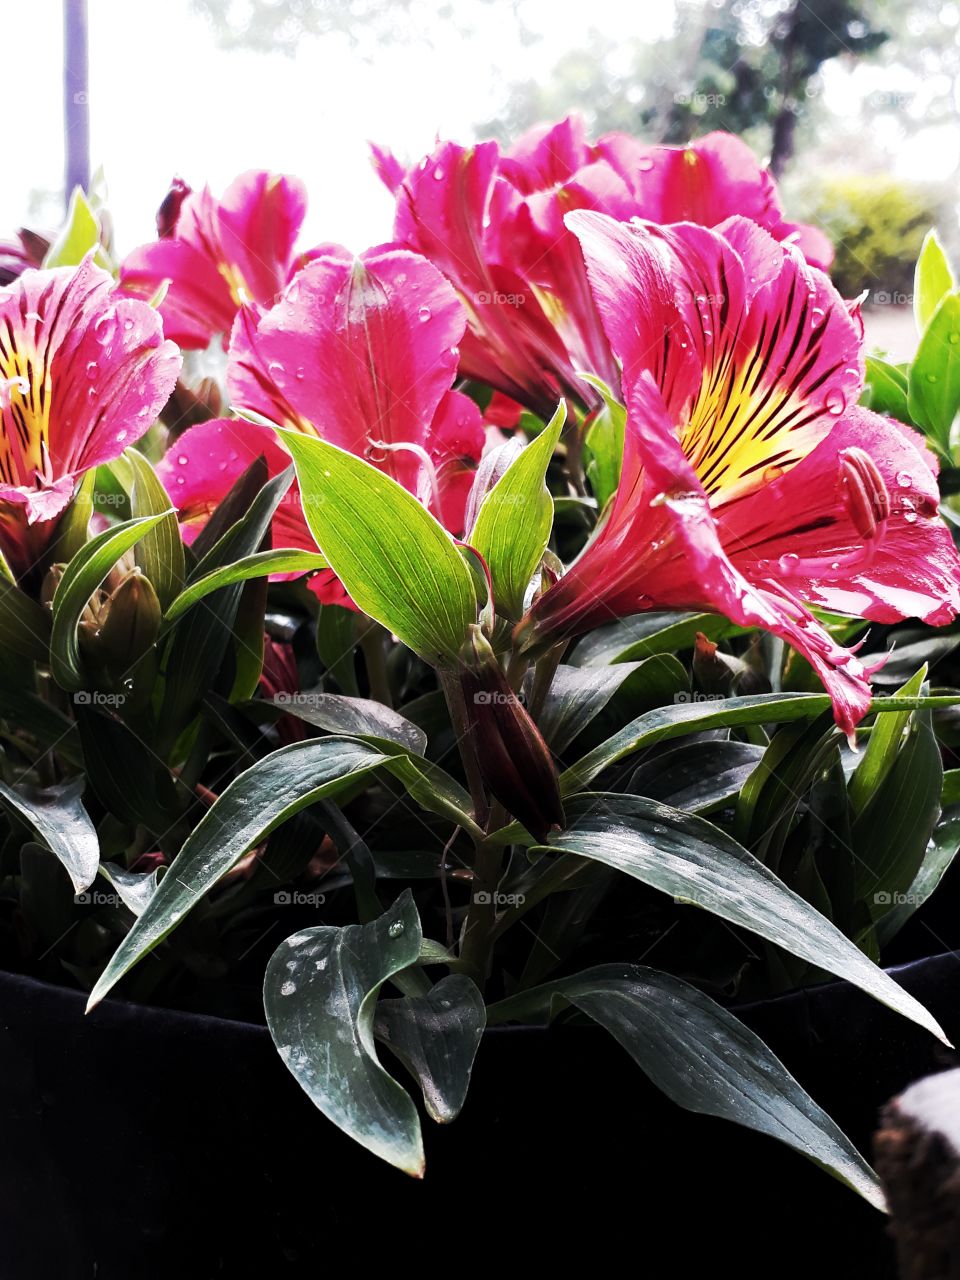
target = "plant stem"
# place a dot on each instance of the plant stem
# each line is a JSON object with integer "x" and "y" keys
{"x": 478, "y": 930}
{"x": 371, "y": 638}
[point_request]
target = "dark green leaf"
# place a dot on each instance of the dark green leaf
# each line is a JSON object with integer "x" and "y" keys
{"x": 691, "y": 860}
{"x": 436, "y": 1037}
{"x": 58, "y": 816}
{"x": 160, "y": 553}
{"x": 705, "y": 1060}
{"x": 320, "y": 994}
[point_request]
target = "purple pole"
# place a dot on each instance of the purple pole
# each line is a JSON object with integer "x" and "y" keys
{"x": 76, "y": 108}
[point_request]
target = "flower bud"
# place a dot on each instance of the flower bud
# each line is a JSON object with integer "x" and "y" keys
{"x": 126, "y": 625}
{"x": 514, "y": 760}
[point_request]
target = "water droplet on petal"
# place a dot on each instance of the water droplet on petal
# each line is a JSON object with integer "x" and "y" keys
{"x": 904, "y": 479}
{"x": 424, "y": 314}
{"x": 92, "y": 368}
{"x": 817, "y": 317}
{"x": 645, "y": 165}
{"x": 835, "y": 404}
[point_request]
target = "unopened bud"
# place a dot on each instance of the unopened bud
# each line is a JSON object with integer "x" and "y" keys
{"x": 514, "y": 760}
{"x": 130, "y": 620}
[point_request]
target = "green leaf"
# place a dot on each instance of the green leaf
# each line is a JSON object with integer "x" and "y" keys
{"x": 689, "y": 859}
{"x": 259, "y": 565}
{"x": 578, "y": 694}
{"x": 195, "y": 654}
{"x": 704, "y": 1059}
{"x": 256, "y": 803}
{"x": 336, "y": 642}
{"x": 644, "y": 634}
{"x": 397, "y": 563}
{"x": 135, "y": 888}
{"x": 934, "y": 395}
{"x": 515, "y": 518}
{"x": 436, "y": 1037}
{"x": 724, "y": 713}
{"x": 82, "y": 576}
{"x": 890, "y": 835}
{"x": 941, "y": 851}
{"x": 698, "y": 776}
{"x": 80, "y": 233}
{"x": 160, "y": 553}
{"x": 24, "y": 624}
{"x": 931, "y": 281}
{"x": 887, "y": 386}
{"x": 320, "y": 994}
{"x": 882, "y": 747}
{"x": 59, "y": 818}
{"x": 125, "y": 774}
{"x": 604, "y": 445}
{"x": 353, "y": 717}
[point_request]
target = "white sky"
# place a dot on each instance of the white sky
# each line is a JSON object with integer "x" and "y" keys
{"x": 165, "y": 99}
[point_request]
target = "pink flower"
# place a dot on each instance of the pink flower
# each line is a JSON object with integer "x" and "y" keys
{"x": 362, "y": 352}
{"x": 217, "y": 254}
{"x": 83, "y": 374}
{"x": 494, "y": 224}
{"x": 751, "y": 480}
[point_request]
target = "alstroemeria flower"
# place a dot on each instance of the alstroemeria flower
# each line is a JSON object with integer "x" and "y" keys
{"x": 84, "y": 371}
{"x": 215, "y": 255}
{"x": 494, "y": 224}
{"x": 363, "y": 352}
{"x": 751, "y": 480}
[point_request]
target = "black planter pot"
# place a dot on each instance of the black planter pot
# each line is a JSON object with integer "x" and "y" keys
{"x": 141, "y": 1142}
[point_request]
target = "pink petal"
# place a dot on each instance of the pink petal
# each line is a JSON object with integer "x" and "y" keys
{"x": 755, "y": 351}
{"x": 362, "y": 351}
{"x": 198, "y": 303}
{"x": 660, "y": 548}
{"x": 90, "y": 371}
{"x": 798, "y": 531}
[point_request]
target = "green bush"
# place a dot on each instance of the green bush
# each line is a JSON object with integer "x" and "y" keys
{"x": 877, "y": 224}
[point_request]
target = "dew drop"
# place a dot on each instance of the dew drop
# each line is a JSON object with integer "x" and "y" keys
{"x": 645, "y": 165}
{"x": 954, "y": 339}
{"x": 904, "y": 479}
{"x": 424, "y": 314}
{"x": 931, "y": 377}
{"x": 910, "y": 517}
{"x": 92, "y": 368}
{"x": 105, "y": 328}
{"x": 835, "y": 404}
{"x": 288, "y": 988}
{"x": 183, "y": 459}
{"x": 438, "y": 173}
{"x": 396, "y": 929}
{"x": 817, "y": 316}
